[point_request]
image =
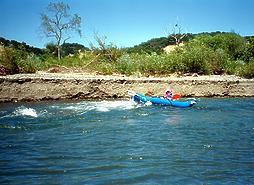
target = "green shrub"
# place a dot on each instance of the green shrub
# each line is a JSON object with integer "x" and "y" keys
{"x": 247, "y": 70}
{"x": 110, "y": 54}
{"x": 30, "y": 64}
{"x": 47, "y": 60}
{"x": 196, "y": 58}
{"x": 232, "y": 43}
{"x": 71, "y": 61}
{"x": 9, "y": 59}
{"x": 173, "y": 63}
{"x": 125, "y": 65}
{"x": 232, "y": 67}
{"x": 248, "y": 53}
{"x": 150, "y": 63}
{"x": 18, "y": 61}
{"x": 78, "y": 60}
{"x": 218, "y": 59}
{"x": 106, "y": 68}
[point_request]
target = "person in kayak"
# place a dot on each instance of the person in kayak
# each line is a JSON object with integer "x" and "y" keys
{"x": 168, "y": 94}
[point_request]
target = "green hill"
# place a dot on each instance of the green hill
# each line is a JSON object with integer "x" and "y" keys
{"x": 157, "y": 44}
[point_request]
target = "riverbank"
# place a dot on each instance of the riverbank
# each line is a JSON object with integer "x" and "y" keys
{"x": 62, "y": 86}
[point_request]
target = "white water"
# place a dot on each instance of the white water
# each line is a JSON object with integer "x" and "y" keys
{"x": 102, "y": 106}
{"x": 23, "y": 111}
{"x": 77, "y": 108}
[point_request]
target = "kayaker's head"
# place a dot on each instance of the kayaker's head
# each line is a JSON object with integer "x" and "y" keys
{"x": 168, "y": 93}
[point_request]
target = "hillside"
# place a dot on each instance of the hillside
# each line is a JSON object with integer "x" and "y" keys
{"x": 153, "y": 45}
{"x": 20, "y": 45}
{"x": 67, "y": 48}
{"x": 157, "y": 44}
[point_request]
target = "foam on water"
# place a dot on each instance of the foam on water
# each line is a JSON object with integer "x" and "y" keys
{"x": 100, "y": 106}
{"x": 112, "y": 105}
{"x": 23, "y": 111}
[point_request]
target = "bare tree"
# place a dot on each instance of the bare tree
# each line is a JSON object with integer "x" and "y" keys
{"x": 104, "y": 49}
{"x": 177, "y": 33}
{"x": 100, "y": 42}
{"x": 58, "y": 23}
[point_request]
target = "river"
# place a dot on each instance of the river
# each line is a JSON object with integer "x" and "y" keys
{"x": 120, "y": 142}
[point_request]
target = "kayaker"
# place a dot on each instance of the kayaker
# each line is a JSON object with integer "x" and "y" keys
{"x": 168, "y": 94}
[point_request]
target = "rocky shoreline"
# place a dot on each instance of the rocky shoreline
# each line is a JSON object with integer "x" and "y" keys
{"x": 64, "y": 86}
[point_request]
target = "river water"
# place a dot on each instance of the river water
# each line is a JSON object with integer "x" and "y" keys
{"x": 119, "y": 142}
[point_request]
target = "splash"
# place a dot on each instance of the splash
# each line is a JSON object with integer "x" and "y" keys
{"x": 102, "y": 106}
{"x": 23, "y": 111}
{"x": 105, "y": 106}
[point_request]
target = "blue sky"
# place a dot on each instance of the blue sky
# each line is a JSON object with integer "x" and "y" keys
{"x": 128, "y": 22}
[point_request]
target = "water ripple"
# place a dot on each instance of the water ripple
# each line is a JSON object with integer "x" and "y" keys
{"x": 119, "y": 142}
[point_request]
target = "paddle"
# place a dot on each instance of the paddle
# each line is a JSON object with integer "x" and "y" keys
{"x": 176, "y": 96}
{"x": 131, "y": 93}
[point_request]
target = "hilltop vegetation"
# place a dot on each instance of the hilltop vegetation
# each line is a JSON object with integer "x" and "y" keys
{"x": 205, "y": 53}
{"x": 157, "y": 44}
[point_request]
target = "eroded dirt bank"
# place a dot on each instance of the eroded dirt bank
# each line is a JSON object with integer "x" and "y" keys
{"x": 58, "y": 86}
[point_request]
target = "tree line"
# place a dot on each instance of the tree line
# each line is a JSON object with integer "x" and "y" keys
{"x": 204, "y": 53}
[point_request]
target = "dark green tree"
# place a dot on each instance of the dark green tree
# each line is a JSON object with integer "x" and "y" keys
{"x": 72, "y": 48}
{"x": 51, "y": 48}
{"x": 17, "y": 45}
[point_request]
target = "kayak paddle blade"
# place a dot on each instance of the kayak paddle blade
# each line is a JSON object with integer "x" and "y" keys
{"x": 176, "y": 96}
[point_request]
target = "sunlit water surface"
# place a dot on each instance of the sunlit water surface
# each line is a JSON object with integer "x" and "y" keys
{"x": 119, "y": 142}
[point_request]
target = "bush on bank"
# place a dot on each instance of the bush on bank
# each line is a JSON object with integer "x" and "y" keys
{"x": 18, "y": 61}
{"x": 206, "y": 54}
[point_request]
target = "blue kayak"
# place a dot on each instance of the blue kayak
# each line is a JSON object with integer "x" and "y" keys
{"x": 141, "y": 98}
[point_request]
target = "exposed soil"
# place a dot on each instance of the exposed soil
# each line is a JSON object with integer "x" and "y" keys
{"x": 76, "y": 85}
